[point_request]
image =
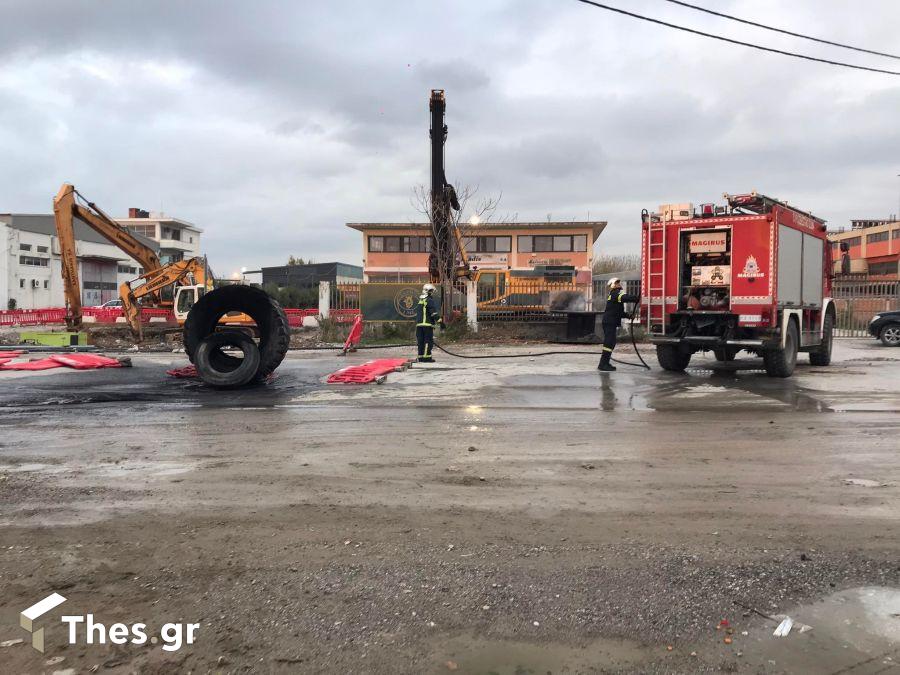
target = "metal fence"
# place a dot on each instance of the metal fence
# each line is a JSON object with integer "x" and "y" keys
{"x": 857, "y": 299}
{"x": 533, "y": 300}
{"x": 500, "y": 300}
{"x": 344, "y": 297}
{"x": 601, "y": 291}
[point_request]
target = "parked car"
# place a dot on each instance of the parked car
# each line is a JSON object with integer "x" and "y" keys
{"x": 111, "y": 304}
{"x": 886, "y": 327}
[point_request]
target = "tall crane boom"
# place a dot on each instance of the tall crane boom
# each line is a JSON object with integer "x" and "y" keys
{"x": 445, "y": 242}
{"x": 190, "y": 276}
{"x": 65, "y": 210}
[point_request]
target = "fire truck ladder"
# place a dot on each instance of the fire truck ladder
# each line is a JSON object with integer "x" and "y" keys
{"x": 655, "y": 255}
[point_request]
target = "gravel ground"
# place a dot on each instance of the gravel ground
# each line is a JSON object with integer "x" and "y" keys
{"x": 499, "y": 515}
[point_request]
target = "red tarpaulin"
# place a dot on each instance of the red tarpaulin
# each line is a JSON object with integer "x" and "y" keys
{"x": 86, "y": 361}
{"x": 40, "y": 364}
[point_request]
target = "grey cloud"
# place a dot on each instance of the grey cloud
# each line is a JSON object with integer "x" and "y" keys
{"x": 271, "y": 124}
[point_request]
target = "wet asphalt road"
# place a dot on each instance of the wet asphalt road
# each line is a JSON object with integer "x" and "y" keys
{"x": 599, "y": 518}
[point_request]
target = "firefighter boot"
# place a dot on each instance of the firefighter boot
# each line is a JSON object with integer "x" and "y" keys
{"x": 605, "y": 365}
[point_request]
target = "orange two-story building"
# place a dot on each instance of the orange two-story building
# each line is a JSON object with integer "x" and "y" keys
{"x": 398, "y": 252}
{"x": 872, "y": 246}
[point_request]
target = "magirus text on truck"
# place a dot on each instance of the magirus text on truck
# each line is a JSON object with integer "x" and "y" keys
{"x": 752, "y": 275}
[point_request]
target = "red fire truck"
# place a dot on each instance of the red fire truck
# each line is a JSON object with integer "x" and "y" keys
{"x": 753, "y": 275}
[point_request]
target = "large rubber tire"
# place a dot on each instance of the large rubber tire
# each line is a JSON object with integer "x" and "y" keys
{"x": 822, "y": 355}
{"x": 890, "y": 335}
{"x": 781, "y": 362}
{"x": 671, "y": 357}
{"x": 271, "y": 322}
{"x": 222, "y": 361}
{"x": 238, "y": 372}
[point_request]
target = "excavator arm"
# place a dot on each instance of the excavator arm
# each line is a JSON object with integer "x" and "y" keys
{"x": 65, "y": 210}
{"x": 191, "y": 272}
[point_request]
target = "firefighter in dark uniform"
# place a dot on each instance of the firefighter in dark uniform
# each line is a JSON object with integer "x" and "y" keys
{"x": 426, "y": 319}
{"x": 612, "y": 319}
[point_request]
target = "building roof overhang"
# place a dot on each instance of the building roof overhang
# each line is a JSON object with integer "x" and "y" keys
{"x": 596, "y": 226}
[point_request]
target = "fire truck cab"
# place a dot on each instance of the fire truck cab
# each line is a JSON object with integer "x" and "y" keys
{"x": 752, "y": 275}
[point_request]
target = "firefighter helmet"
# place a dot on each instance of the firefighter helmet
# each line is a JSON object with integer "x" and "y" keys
{"x": 612, "y": 282}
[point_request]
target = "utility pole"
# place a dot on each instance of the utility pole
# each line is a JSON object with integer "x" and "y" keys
{"x": 441, "y": 262}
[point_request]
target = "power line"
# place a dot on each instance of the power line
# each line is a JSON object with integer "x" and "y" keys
{"x": 780, "y": 30}
{"x": 737, "y": 42}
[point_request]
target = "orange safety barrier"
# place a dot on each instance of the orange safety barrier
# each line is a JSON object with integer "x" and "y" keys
{"x": 367, "y": 372}
{"x": 32, "y": 317}
{"x": 355, "y": 334}
{"x": 54, "y": 315}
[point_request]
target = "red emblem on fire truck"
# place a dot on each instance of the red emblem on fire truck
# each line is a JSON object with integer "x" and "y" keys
{"x": 751, "y": 269}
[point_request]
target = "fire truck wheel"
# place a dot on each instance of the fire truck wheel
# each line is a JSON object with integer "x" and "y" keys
{"x": 781, "y": 362}
{"x": 271, "y": 322}
{"x": 822, "y": 356}
{"x": 671, "y": 357}
{"x": 236, "y": 372}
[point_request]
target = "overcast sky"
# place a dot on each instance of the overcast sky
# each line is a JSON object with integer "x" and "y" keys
{"x": 271, "y": 124}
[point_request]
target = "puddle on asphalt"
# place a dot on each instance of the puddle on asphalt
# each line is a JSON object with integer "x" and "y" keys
{"x": 505, "y": 657}
{"x": 853, "y": 631}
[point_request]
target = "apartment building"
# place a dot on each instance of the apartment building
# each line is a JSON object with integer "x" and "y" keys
{"x": 31, "y": 271}
{"x": 178, "y": 239}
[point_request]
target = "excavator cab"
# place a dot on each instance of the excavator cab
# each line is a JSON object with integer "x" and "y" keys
{"x": 185, "y": 298}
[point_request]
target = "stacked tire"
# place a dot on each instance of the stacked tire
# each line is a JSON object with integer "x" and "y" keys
{"x": 205, "y": 340}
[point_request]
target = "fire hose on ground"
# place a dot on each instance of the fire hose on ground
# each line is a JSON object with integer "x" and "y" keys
{"x": 643, "y": 364}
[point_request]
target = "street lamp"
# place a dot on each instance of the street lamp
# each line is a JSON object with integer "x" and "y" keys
{"x": 897, "y": 216}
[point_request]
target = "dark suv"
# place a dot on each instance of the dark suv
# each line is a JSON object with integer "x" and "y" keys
{"x": 886, "y": 327}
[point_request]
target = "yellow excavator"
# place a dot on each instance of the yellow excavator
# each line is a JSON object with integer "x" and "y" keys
{"x": 190, "y": 278}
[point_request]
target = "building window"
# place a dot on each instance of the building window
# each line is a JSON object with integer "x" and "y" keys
{"x": 99, "y": 285}
{"x": 399, "y": 244}
{"x": 895, "y": 234}
{"x": 42, "y": 249}
{"x": 46, "y": 283}
{"x": 559, "y": 243}
{"x": 145, "y": 230}
{"x": 853, "y": 241}
{"x": 125, "y": 269}
{"x": 24, "y": 247}
{"x": 487, "y": 244}
{"x": 32, "y": 261}
{"x": 877, "y": 236}
{"x": 21, "y": 283}
{"x": 878, "y": 269}
{"x": 190, "y": 240}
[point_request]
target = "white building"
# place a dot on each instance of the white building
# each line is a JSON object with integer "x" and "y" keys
{"x": 31, "y": 271}
{"x": 177, "y": 239}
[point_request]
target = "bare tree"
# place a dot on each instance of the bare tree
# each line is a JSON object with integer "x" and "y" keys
{"x": 464, "y": 222}
{"x": 605, "y": 264}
